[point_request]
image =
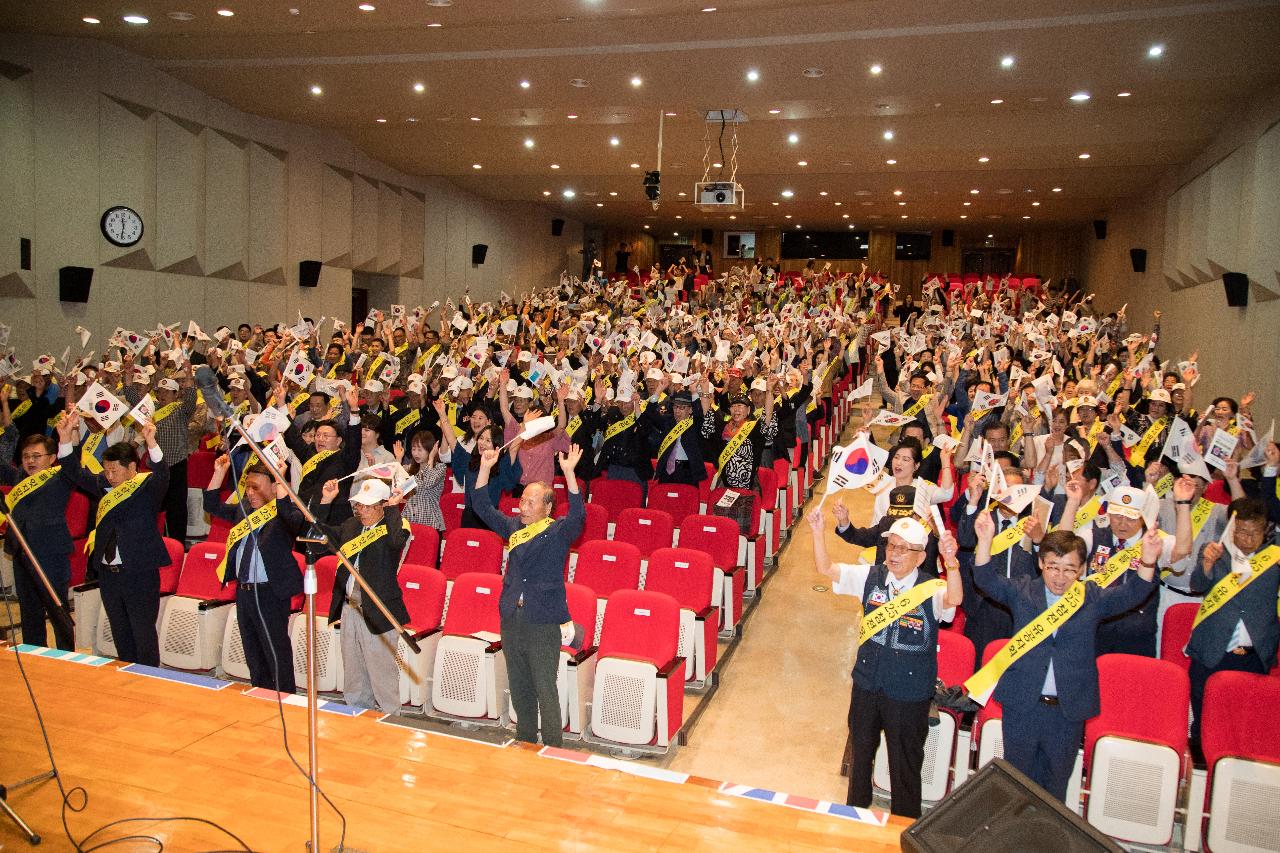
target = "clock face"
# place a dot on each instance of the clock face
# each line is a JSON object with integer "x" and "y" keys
{"x": 122, "y": 226}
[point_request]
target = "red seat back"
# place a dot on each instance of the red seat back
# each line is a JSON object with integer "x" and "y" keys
{"x": 955, "y": 657}
{"x": 684, "y": 574}
{"x": 422, "y": 588}
{"x": 199, "y": 576}
{"x": 326, "y": 574}
{"x": 78, "y": 514}
{"x": 169, "y": 574}
{"x": 754, "y": 524}
{"x": 606, "y": 566}
{"x": 1238, "y": 717}
{"x": 715, "y": 535}
{"x": 582, "y": 609}
{"x": 677, "y": 499}
{"x": 641, "y": 625}
{"x": 647, "y": 529}
{"x": 200, "y": 469}
{"x": 595, "y": 526}
{"x": 470, "y": 549}
{"x": 473, "y": 605}
{"x": 616, "y": 495}
{"x": 424, "y": 548}
{"x": 299, "y": 601}
{"x": 1176, "y": 633}
{"x": 768, "y": 488}
{"x": 1142, "y": 698}
{"x": 451, "y": 504}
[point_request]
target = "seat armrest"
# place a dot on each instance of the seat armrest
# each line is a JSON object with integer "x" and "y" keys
{"x": 209, "y": 604}
{"x": 705, "y": 613}
{"x": 493, "y": 648}
{"x": 581, "y": 656}
{"x": 419, "y": 635}
{"x": 732, "y": 571}
{"x": 85, "y": 587}
{"x": 670, "y": 667}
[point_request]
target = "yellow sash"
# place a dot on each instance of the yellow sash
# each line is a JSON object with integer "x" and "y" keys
{"x": 1115, "y": 385}
{"x": 238, "y": 492}
{"x": 886, "y": 614}
{"x": 23, "y": 408}
{"x": 372, "y": 371}
{"x": 1094, "y": 432}
{"x": 255, "y": 521}
{"x": 524, "y": 534}
{"x": 1116, "y": 566}
{"x": 451, "y": 415}
{"x": 572, "y": 426}
{"x": 980, "y": 685}
{"x": 1138, "y": 456}
{"x": 30, "y": 484}
{"x": 354, "y": 546}
{"x": 1165, "y": 483}
{"x": 1087, "y": 513}
{"x": 408, "y": 420}
{"x": 88, "y": 451}
{"x": 299, "y": 399}
{"x": 734, "y": 443}
{"x": 421, "y": 361}
{"x": 1226, "y": 589}
{"x": 314, "y": 462}
{"x": 401, "y": 350}
{"x": 113, "y": 499}
{"x": 1017, "y": 428}
{"x": 164, "y": 412}
{"x": 674, "y": 433}
{"x": 914, "y": 409}
{"x": 1006, "y": 538}
{"x": 621, "y": 425}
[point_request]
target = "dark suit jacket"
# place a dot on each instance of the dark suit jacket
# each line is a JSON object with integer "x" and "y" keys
{"x": 865, "y": 537}
{"x": 336, "y": 466}
{"x": 690, "y": 440}
{"x": 379, "y": 565}
{"x": 1071, "y": 649}
{"x": 42, "y": 516}
{"x": 275, "y": 542}
{"x": 1255, "y": 605}
{"x": 133, "y": 522}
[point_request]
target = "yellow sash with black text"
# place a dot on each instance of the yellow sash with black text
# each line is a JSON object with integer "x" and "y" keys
{"x": 524, "y": 534}
{"x": 731, "y": 447}
{"x": 451, "y": 415}
{"x": 1119, "y": 563}
{"x": 1138, "y": 456}
{"x": 980, "y": 685}
{"x": 23, "y": 408}
{"x": 914, "y": 409}
{"x": 1086, "y": 513}
{"x": 619, "y": 426}
{"x": 408, "y": 420}
{"x": 28, "y": 486}
{"x": 420, "y": 362}
{"x": 1094, "y": 432}
{"x": 574, "y": 423}
{"x": 1227, "y": 588}
{"x": 113, "y": 499}
{"x": 89, "y": 453}
{"x": 314, "y": 462}
{"x": 255, "y": 521}
{"x": 354, "y": 546}
{"x": 886, "y": 614}
{"x": 1005, "y": 539}
{"x": 674, "y": 433}
{"x": 165, "y": 411}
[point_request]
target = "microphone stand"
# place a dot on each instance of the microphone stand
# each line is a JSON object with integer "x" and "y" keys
{"x": 314, "y": 537}
{"x": 63, "y": 618}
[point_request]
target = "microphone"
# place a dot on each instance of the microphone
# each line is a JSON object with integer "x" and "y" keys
{"x": 207, "y": 382}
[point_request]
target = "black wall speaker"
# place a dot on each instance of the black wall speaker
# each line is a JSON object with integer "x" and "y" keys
{"x": 478, "y": 251}
{"x": 707, "y": 236}
{"x": 999, "y": 810}
{"x": 1237, "y": 286}
{"x": 1138, "y": 257}
{"x": 73, "y": 283}
{"x": 308, "y": 273}
{"x": 1100, "y": 229}
{"x": 948, "y": 237}
{"x": 24, "y": 253}
{"x": 557, "y": 227}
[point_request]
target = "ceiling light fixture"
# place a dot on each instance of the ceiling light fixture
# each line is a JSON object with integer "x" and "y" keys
{"x": 973, "y": 192}
{"x": 637, "y": 81}
{"x": 752, "y": 75}
{"x": 1084, "y": 156}
{"x": 1006, "y": 62}
{"x": 529, "y": 143}
{"x": 1080, "y": 97}
{"x": 599, "y": 204}
{"x": 788, "y": 216}
{"x": 614, "y": 141}
{"x": 475, "y": 166}
{"x": 708, "y": 8}
{"x": 366, "y": 7}
{"x": 475, "y": 118}
{"x": 1057, "y": 189}
{"x": 775, "y": 204}
{"x": 670, "y": 115}
{"x": 546, "y": 192}
{"x": 226, "y": 13}
{"x": 1155, "y": 51}
{"x": 888, "y": 135}
{"x": 891, "y": 162}
{"x": 984, "y": 159}
{"x": 317, "y": 91}
{"x": 1026, "y": 217}
{"x": 635, "y": 165}
{"x": 555, "y": 165}
{"x": 380, "y": 120}
{"x": 774, "y": 112}
{"x": 787, "y": 193}
{"x": 845, "y": 216}
{"x": 1123, "y": 94}
{"x": 875, "y": 70}
{"x": 525, "y": 84}
{"x": 968, "y": 203}
{"x": 569, "y": 193}
{"x": 571, "y": 116}
{"x": 419, "y": 87}
{"x": 1035, "y": 204}
{"x": 793, "y": 138}
{"x": 802, "y": 162}
{"x": 997, "y": 101}
{"x": 89, "y": 20}
{"x": 136, "y": 20}
{"x": 897, "y": 192}
{"x": 646, "y": 228}
{"x": 839, "y": 203}
{"x": 822, "y": 192}
{"x": 433, "y": 26}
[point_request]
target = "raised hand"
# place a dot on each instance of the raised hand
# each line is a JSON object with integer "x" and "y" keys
{"x": 1151, "y": 546}
{"x": 329, "y": 491}
{"x": 984, "y": 526}
{"x": 1212, "y": 551}
{"x": 221, "y": 465}
{"x": 1184, "y": 488}
{"x": 841, "y": 513}
{"x": 948, "y": 548}
{"x": 570, "y": 459}
{"x": 489, "y": 458}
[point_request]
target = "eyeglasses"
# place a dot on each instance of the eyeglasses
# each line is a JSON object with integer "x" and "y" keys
{"x": 34, "y": 457}
{"x": 898, "y": 549}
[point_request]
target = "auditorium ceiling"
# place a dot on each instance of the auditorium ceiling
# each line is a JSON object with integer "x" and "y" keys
{"x": 976, "y": 96}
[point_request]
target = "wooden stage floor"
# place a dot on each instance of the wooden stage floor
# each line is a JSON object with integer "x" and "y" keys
{"x": 150, "y": 747}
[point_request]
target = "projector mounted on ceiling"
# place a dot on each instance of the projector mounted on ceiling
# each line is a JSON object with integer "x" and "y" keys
{"x": 723, "y": 192}
{"x": 717, "y": 196}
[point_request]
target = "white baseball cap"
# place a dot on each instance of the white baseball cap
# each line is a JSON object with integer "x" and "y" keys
{"x": 1126, "y": 501}
{"x": 654, "y": 373}
{"x": 911, "y": 531}
{"x": 237, "y": 383}
{"x": 415, "y": 387}
{"x": 523, "y": 391}
{"x": 371, "y": 492}
{"x": 166, "y": 385}
{"x": 450, "y": 371}
{"x": 1160, "y": 396}
{"x": 373, "y": 386}
{"x": 759, "y": 385}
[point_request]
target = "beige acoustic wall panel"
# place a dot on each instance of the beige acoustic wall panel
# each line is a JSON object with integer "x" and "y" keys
{"x": 17, "y": 176}
{"x": 226, "y": 206}
{"x": 1198, "y": 249}
{"x": 1262, "y": 260}
{"x": 1226, "y": 195}
{"x": 1172, "y": 233}
{"x": 179, "y": 219}
{"x": 127, "y": 175}
{"x": 335, "y": 243}
{"x": 413, "y": 213}
{"x": 268, "y": 214}
{"x": 389, "y": 225}
{"x": 364, "y": 224}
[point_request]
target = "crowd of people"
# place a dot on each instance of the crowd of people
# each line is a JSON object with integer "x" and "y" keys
{"x": 1043, "y": 458}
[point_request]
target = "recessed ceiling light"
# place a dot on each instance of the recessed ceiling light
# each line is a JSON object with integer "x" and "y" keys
{"x": 845, "y": 216}
{"x": 1035, "y": 204}
{"x": 798, "y": 226}
{"x": 891, "y": 162}
{"x": 902, "y": 204}
{"x": 599, "y": 204}
{"x": 897, "y": 192}
{"x": 317, "y": 91}
{"x": 419, "y": 87}
{"x": 475, "y": 166}
{"x": 475, "y": 118}
{"x": 646, "y": 228}
{"x": 1026, "y": 217}
{"x": 637, "y": 81}
{"x": 678, "y": 216}
{"x": 964, "y": 216}
{"x": 433, "y": 26}
{"x": 904, "y": 216}
{"x": 1006, "y": 62}
{"x": 569, "y": 193}
{"x": 775, "y": 204}
{"x": 732, "y": 216}
{"x": 226, "y": 13}
{"x": 546, "y": 192}
{"x": 1080, "y": 97}
{"x": 708, "y": 8}
{"x": 973, "y": 192}
{"x": 682, "y": 194}
{"x": 752, "y": 75}
{"x": 888, "y": 134}
{"x": 613, "y": 192}
{"x": 774, "y": 112}
{"x": 813, "y": 73}
{"x": 788, "y": 216}
{"x": 635, "y": 165}
{"x": 1123, "y": 94}
{"x": 991, "y": 236}
{"x": 614, "y": 141}
{"x": 440, "y": 3}
{"x": 822, "y": 192}
{"x": 968, "y": 203}
{"x": 380, "y": 120}
{"x": 525, "y": 84}
{"x": 1084, "y": 156}
{"x": 793, "y": 138}
{"x": 670, "y": 115}
{"x": 571, "y": 116}
{"x": 137, "y": 20}
{"x": 91, "y": 20}
{"x": 787, "y": 193}
{"x": 802, "y": 162}
{"x": 529, "y": 143}
{"x": 997, "y": 101}
{"x": 555, "y": 165}
{"x": 1057, "y": 189}
{"x": 1155, "y": 51}
{"x": 839, "y": 203}
{"x": 716, "y": 165}
{"x": 411, "y": 119}
{"x": 984, "y": 159}
{"x": 851, "y": 226}
{"x": 875, "y": 70}
{"x": 366, "y": 7}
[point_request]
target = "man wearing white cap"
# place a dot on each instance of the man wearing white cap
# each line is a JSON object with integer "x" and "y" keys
{"x": 175, "y": 405}
{"x": 374, "y": 540}
{"x": 897, "y": 665}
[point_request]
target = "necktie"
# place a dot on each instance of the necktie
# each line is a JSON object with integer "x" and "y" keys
{"x": 246, "y": 561}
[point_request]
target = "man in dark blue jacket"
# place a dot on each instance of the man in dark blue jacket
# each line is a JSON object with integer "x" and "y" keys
{"x": 261, "y": 560}
{"x": 1052, "y": 688}
{"x": 533, "y": 605}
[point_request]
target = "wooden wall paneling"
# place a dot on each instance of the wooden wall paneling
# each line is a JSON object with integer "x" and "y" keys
{"x": 364, "y": 223}
{"x": 179, "y": 220}
{"x": 1262, "y": 258}
{"x": 127, "y": 175}
{"x": 17, "y": 177}
{"x": 268, "y": 214}
{"x": 226, "y": 205}
{"x": 413, "y": 214}
{"x": 339, "y": 198}
{"x": 390, "y": 225}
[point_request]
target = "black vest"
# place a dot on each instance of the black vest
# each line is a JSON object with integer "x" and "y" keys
{"x": 1140, "y": 622}
{"x": 902, "y": 660}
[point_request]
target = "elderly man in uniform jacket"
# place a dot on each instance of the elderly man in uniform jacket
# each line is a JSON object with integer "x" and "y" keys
{"x": 374, "y": 540}
{"x": 1240, "y": 635}
{"x": 1050, "y": 690}
{"x": 261, "y": 560}
{"x": 897, "y": 666}
{"x": 38, "y": 505}
{"x": 678, "y": 442}
{"x": 127, "y": 549}
{"x": 533, "y": 605}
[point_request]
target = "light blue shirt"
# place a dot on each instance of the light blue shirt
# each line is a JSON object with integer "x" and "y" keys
{"x": 1050, "y": 687}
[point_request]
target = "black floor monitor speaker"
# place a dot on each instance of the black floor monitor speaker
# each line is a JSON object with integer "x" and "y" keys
{"x": 999, "y": 810}
{"x": 557, "y": 227}
{"x": 1138, "y": 257}
{"x": 73, "y": 283}
{"x": 478, "y": 251}
{"x": 308, "y": 273}
{"x": 1237, "y": 286}
{"x": 948, "y": 237}
{"x": 1100, "y": 229}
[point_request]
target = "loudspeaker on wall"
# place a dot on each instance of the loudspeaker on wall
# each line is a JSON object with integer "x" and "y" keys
{"x": 1100, "y": 229}
{"x": 948, "y": 237}
{"x": 308, "y": 273}
{"x": 999, "y": 810}
{"x": 24, "y": 253}
{"x": 73, "y": 284}
{"x": 557, "y": 227}
{"x": 1138, "y": 257}
{"x": 478, "y": 251}
{"x": 706, "y": 236}
{"x": 1236, "y": 284}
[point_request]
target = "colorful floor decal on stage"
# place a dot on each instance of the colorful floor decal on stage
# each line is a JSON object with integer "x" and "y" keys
{"x": 59, "y": 654}
{"x": 190, "y": 678}
{"x": 329, "y": 706}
